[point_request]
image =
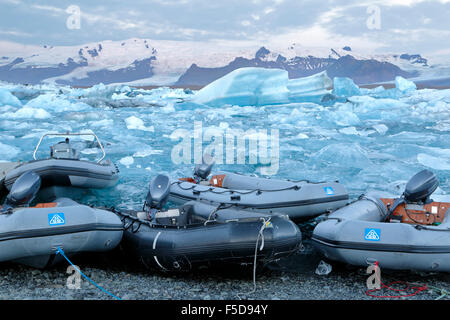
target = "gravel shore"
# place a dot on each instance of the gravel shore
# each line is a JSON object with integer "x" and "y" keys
{"x": 290, "y": 278}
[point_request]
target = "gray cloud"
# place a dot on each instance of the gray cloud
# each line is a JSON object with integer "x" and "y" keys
{"x": 406, "y": 25}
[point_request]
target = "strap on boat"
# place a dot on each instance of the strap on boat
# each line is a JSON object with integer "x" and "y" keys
{"x": 265, "y": 225}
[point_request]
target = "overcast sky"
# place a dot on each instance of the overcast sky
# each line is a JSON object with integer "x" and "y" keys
{"x": 412, "y": 26}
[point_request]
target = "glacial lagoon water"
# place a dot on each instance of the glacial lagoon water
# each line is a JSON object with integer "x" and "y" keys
{"x": 371, "y": 142}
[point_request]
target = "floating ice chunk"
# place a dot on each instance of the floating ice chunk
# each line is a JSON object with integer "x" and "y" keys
{"x": 137, "y": 124}
{"x": 404, "y": 85}
{"x": 260, "y": 86}
{"x": 127, "y": 161}
{"x": 343, "y": 117}
{"x": 349, "y": 131}
{"x": 437, "y": 163}
{"x": 345, "y": 87}
{"x": 28, "y": 113}
{"x": 302, "y": 136}
{"x": 7, "y": 98}
{"x": 372, "y": 92}
{"x": 56, "y": 103}
{"x": 381, "y": 128}
{"x": 89, "y": 151}
{"x": 246, "y": 87}
{"x": 345, "y": 154}
{"x": 8, "y": 152}
{"x": 309, "y": 89}
{"x": 146, "y": 152}
{"x": 102, "y": 123}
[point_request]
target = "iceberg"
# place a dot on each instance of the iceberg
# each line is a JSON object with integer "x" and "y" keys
{"x": 345, "y": 87}
{"x": 7, "y": 98}
{"x": 260, "y": 86}
{"x": 404, "y": 85}
{"x": 310, "y": 89}
{"x": 246, "y": 87}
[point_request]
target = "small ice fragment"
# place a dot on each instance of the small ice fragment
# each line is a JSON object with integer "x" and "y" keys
{"x": 302, "y": 136}
{"x": 323, "y": 268}
{"x": 127, "y": 161}
{"x": 137, "y": 124}
{"x": 381, "y": 128}
{"x": 437, "y": 163}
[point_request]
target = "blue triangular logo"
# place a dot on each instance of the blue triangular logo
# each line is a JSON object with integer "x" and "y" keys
{"x": 329, "y": 191}
{"x": 55, "y": 219}
{"x": 372, "y": 234}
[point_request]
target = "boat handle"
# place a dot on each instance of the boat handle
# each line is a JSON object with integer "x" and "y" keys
{"x": 70, "y": 134}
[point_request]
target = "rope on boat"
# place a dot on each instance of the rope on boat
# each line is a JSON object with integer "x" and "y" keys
{"x": 266, "y": 224}
{"x": 213, "y": 189}
{"x": 60, "y": 251}
{"x": 213, "y": 213}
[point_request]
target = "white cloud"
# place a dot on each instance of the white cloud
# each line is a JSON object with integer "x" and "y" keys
{"x": 255, "y": 17}
{"x": 15, "y": 33}
{"x": 268, "y": 10}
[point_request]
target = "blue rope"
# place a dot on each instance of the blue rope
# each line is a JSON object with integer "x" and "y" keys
{"x": 59, "y": 250}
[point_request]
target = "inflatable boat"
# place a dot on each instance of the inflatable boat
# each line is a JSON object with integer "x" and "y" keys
{"x": 298, "y": 199}
{"x": 64, "y": 167}
{"x": 32, "y": 235}
{"x": 408, "y": 233}
{"x": 199, "y": 233}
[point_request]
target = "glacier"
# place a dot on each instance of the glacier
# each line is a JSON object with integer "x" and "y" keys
{"x": 371, "y": 141}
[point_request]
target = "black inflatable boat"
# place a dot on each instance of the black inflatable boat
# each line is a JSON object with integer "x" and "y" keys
{"x": 200, "y": 232}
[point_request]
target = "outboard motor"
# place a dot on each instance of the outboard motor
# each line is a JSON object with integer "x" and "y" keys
{"x": 24, "y": 190}
{"x": 63, "y": 150}
{"x": 202, "y": 171}
{"x": 420, "y": 187}
{"x": 157, "y": 195}
{"x": 418, "y": 190}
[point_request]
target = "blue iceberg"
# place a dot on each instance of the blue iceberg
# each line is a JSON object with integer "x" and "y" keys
{"x": 345, "y": 87}
{"x": 404, "y": 85}
{"x": 7, "y": 98}
{"x": 260, "y": 86}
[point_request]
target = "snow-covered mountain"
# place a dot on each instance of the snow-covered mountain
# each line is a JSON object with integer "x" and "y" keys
{"x": 157, "y": 62}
